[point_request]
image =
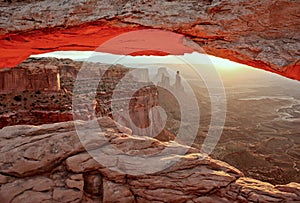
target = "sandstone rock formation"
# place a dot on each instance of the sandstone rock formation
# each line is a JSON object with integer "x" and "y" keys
{"x": 48, "y": 163}
{"x": 25, "y": 101}
{"x": 263, "y": 34}
{"x": 30, "y": 78}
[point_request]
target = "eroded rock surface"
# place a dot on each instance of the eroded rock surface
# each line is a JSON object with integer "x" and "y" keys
{"x": 263, "y": 34}
{"x": 48, "y": 163}
{"x": 39, "y": 91}
{"x": 29, "y": 78}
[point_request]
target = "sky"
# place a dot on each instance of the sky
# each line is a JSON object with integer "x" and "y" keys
{"x": 194, "y": 58}
{"x": 227, "y": 69}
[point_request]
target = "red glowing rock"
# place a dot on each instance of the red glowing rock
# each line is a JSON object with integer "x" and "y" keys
{"x": 136, "y": 41}
{"x": 244, "y": 33}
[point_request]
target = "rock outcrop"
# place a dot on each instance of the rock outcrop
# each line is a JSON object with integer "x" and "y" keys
{"x": 31, "y": 78}
{"x": 263, "y": 34}
{"x": 48, "y": 163}
{"x": 24, "y": 99}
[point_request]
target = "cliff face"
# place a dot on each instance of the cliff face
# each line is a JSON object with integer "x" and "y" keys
{"x": 30, "y": 78}
{"x": 24, "y": 99}
{"x": 49, "y": 164}
{"x": 263, "y": 34}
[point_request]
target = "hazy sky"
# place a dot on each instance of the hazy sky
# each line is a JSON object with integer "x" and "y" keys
{"x": 194, "y": 58}
{"x": 228, "y": 70}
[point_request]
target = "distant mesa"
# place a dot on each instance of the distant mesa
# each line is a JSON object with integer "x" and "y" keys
{"x": 27, "y": 77}
{"x": 149, "y": 53}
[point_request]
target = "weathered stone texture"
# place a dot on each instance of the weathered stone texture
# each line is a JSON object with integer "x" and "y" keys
{"x": 49, "y": 164}
{"x": 263, "y": 34}
{"x": 29, "y": 78}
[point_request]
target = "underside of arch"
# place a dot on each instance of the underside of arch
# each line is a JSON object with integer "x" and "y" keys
{"x": 264, "y": 35}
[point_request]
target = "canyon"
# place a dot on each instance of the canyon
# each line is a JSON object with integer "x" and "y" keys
{"x": 39, "y": 91}
{"x": 51, "y": 163}
{"x": 42, "y": 157}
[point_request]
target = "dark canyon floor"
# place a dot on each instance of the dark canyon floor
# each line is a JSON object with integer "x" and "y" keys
{"x": 261, "y": 136}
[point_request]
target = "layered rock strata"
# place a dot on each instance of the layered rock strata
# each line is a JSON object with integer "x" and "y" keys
{"x": 48, "y": 163}
{"x": 31, "y": 78}
{"x": 263, "y": 34}
{"x": 24, "y": 99}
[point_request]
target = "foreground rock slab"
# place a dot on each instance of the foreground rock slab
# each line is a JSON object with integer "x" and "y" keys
{"x": 49, "y": 163}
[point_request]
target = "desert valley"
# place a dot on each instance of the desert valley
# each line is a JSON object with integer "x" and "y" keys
{"x": 189, "y": 101}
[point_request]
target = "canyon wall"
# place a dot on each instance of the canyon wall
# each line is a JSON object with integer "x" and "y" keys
{"x": 24, "y": 99}
{"x": 49, "y": 164}
{"x": 30, "y": 78}
{"x": 263, "y": 34}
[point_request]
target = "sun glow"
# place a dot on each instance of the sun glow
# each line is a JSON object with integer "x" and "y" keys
{"x": 226, "y": 64}
{"x": 195, "y": 57}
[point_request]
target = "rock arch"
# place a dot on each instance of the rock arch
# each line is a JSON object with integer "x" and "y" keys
{"x": 261, "y": 34}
